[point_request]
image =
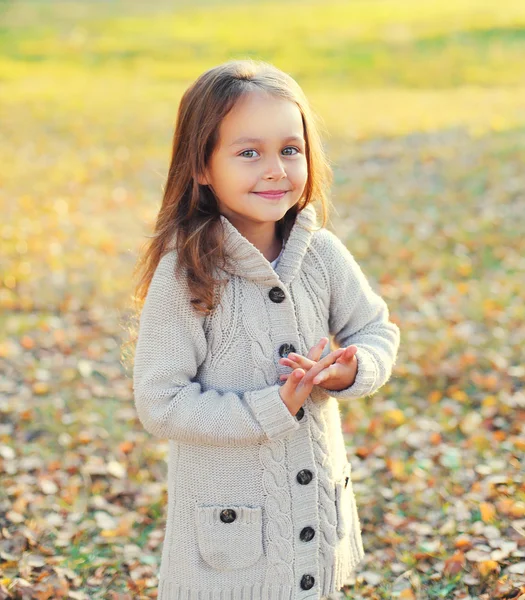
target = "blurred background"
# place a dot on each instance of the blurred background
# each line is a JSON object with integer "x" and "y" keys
{"x": 423, "y": 105}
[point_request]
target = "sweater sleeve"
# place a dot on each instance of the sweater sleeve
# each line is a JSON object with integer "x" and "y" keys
{"x": 360, "y": 317}
{"x": 171, "y": 345}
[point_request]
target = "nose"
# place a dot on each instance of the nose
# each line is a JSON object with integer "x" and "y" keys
{"x": 275, "y": 170}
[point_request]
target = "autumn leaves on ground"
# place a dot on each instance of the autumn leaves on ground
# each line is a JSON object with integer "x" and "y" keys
{"x": 424, "y": 113}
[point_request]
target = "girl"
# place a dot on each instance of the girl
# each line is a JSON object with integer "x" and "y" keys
{"x": 241, "y": 291}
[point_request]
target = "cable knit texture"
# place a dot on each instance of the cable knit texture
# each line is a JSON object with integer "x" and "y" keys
{"x": 260, "y": 502}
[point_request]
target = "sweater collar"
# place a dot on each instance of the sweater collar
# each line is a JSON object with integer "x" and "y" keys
{"x": 247, "y": 261}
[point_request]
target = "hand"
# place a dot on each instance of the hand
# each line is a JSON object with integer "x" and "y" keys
{"x": 299, "y": 384}
{"x": 314, "y": 354}
{"x": 337, "y": 376}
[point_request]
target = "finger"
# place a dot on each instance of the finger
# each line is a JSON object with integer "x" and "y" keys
{"x": 324, "y": 375}
{"x": 325, "y": 362}
{"x": 296, "y": 377}
{"x": 347, "y": 355}
{"x": 288, "y": 363}
{"x": 317, "y": 350}
{"x": 296, "y": 360}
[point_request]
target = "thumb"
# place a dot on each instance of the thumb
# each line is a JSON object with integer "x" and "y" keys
{"x": 295, "y": 377}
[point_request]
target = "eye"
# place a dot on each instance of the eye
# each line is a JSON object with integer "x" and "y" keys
{"x": 243, "y": 153}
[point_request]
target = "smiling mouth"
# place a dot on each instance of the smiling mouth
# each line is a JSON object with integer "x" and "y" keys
{"x": 272, "y": 195}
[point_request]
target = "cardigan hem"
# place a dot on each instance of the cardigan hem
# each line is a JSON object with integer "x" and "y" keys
{"x": 170, "y": 590}
{"x": 332, "y": 578}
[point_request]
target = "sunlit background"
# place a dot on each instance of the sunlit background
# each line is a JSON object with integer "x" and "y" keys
{"x": 423, "y": 106}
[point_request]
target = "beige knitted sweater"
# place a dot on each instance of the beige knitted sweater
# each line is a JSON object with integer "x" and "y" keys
{"x": 260, "y": 502}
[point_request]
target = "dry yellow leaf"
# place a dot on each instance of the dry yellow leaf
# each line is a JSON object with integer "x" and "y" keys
{"x": 27, "y": 342}
{"x": 519, "y": 443}
{"x": 397, "y": 468}
{"x": 465, "y": 269}
{"x": 395, "y": 416}
{"x": 435, "y": 396}
{"x": 489, "y": 401}
{"x": 460, "y": 396}
{"x": 40, "y": 388}
{"x": 517, "y": 510}
{"x": 488, "y": 511}
{"x": 487, "y": 567}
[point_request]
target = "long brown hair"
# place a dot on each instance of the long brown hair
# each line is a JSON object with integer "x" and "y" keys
{"x": 189, "y": 214}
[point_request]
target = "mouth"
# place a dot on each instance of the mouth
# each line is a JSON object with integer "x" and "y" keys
{"x": 276, "y": 195}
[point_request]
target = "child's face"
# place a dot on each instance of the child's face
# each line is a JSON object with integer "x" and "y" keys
{"x": 237, "y": 170}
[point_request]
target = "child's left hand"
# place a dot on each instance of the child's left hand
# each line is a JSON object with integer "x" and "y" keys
{"x": 338, "y": 376}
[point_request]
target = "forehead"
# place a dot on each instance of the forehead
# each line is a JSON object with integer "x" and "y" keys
{"x": 261, "y": 115}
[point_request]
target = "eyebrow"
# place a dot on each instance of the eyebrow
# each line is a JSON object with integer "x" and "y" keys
{"x": 252, "y": 140}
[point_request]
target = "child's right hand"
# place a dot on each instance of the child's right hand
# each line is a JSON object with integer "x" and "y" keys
{"x": 299, "y": 384}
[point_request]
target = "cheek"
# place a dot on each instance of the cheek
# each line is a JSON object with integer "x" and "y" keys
{"x": 299, "y": 173}
{"x": 227, "y": 176}
{"x": 238, "y": 176}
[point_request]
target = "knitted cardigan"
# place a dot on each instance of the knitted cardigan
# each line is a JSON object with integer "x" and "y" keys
{"x": 260, "y": 502}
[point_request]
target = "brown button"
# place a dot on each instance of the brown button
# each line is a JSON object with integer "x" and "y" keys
{"x": 285, "y": 349}
{"x": 307, "y": 533}
{"x": 304, "y": 476}
{"x": 228, "y": 515}
{"x": 276, "y": 294}
{"x": 307, "y": 581}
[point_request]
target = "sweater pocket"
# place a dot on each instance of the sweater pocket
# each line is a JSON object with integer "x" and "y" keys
{"x": 229, "y": 537}
{"x": 345, "y": 501}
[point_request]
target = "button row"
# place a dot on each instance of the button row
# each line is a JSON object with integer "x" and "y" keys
{"x": 228, "y": 515}
{"x": 305, "y": 475}
{"x": 307, "y": 533}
